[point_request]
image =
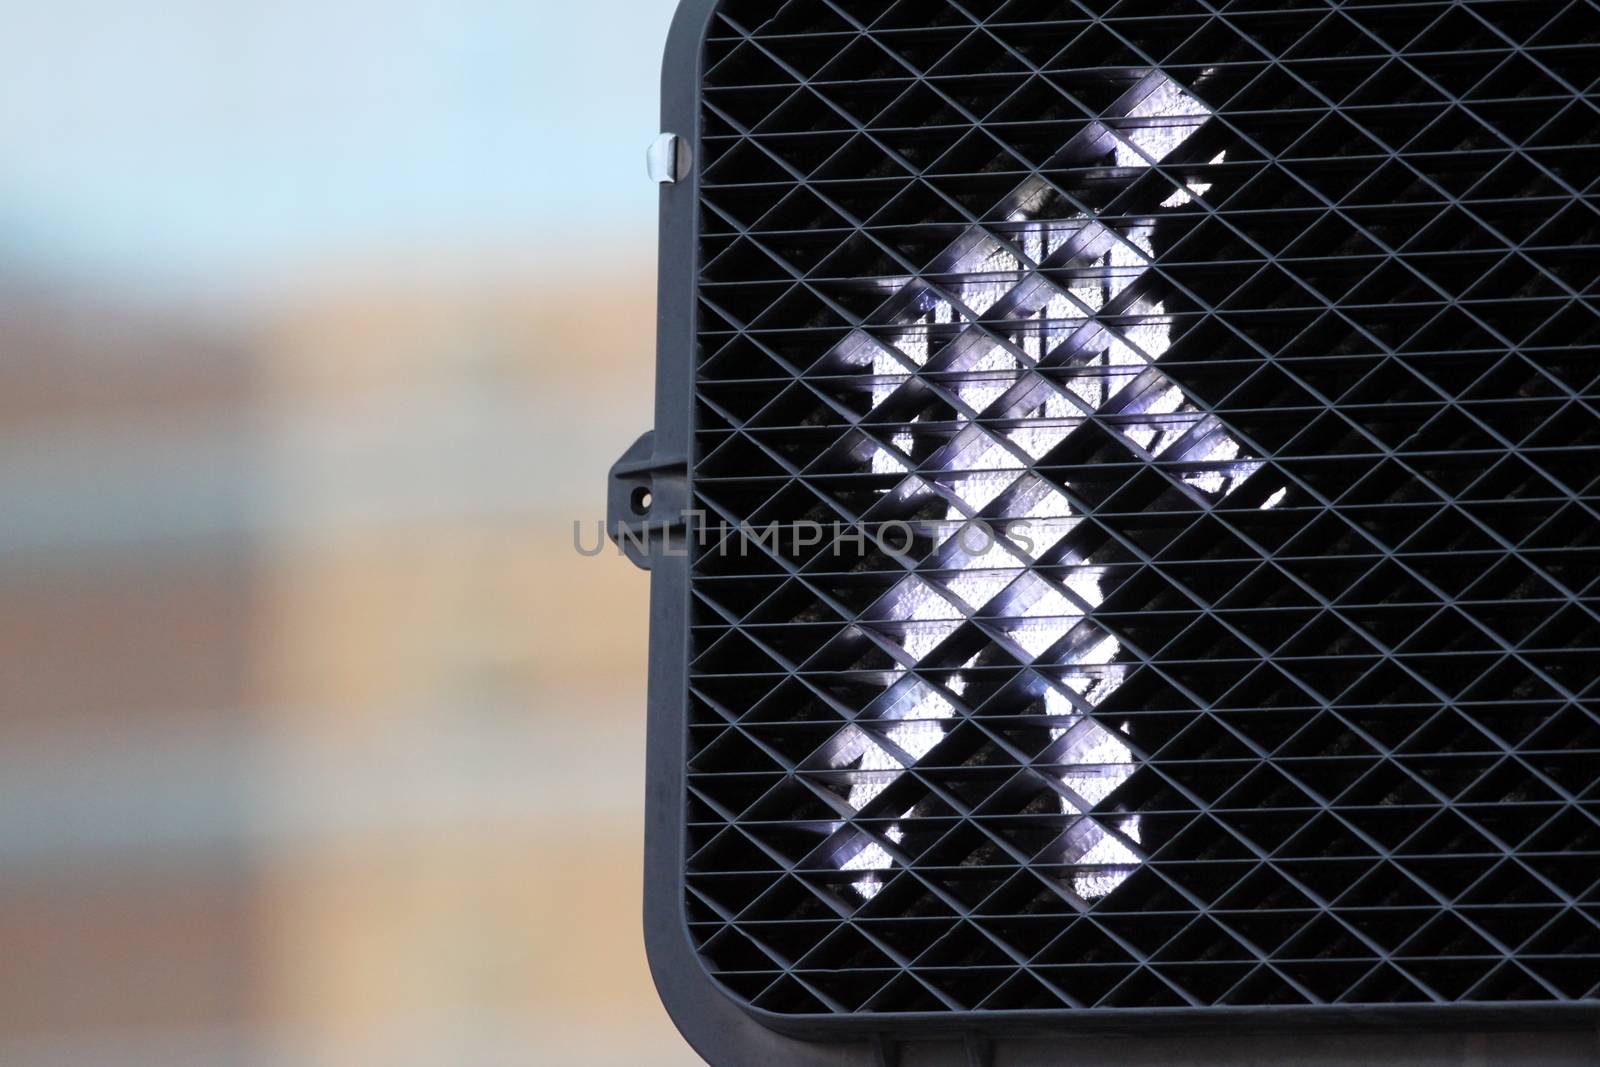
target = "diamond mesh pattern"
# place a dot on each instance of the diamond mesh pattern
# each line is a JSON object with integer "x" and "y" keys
{"x": 1267, "y": 332}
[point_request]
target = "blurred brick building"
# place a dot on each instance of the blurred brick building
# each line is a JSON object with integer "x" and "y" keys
{"x": 321, "y": 744}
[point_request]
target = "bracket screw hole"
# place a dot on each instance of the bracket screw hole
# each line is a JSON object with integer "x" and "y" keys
{"x": 642, "y": 499}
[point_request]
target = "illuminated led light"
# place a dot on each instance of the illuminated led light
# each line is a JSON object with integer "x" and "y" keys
{"x": 1193, "y": 189}
{"x": 1095, "y": 784}
{"x": 916, "y": 737}
{"x": 886, "y": 462}
{"x": 1057, "y": 705}
{"x": 980, "y": 586}
{"x": 1098, "y": 758}
{"x": 1181, "y": 114}
{"x": 1051, "y": 320}
{"x": 982, "y": 294}
{"x": 915, "y": 725}
{"x": 1047, "y": 603}
{"x": 1090, "y": 387}
{"x": 922, "y": 638}
{"x": 1093, "y": 743}
{"x": 1125, "y": 263}
{"x": 1041, "y": 240}
{"x": 916, "y": 600}
{"x": 1097, "y": 688}
{"x": 1274, "y": 500}
{"x": 1222, "y": 451}
{"x": 978, "y": 470}
{"x": 1091, "y": 295}
{"x": 1035, "y": 636}
{"x": 868, "y": 887}
{"x": 1096, "y": 885}
{"x": 931, "y": 309}
{"x": 987, "y": 380}
{"x": 1084, "y": 583}
{"x": 1144, "y": 343}
{"x": 873, "y": 857}
{"x": 987, "y": 256}
{"x": 853, "y": 749}
{"x": 987, "y": 468}
{"x": 1039, "y": 615}
{"x": 1048, "y": 424}
{"x": 982, "y": 575}
{"x": 1105, "y": 861}
{"x": 1139, "y": 237}
{"x": 914, "y": 346}
{"x": 887, "y": 373}
{"x": 1047, "y": 532}
{"x": 1101, "y": 652}
{"x": 1109, "y": 850}
{"x": 1165, "y": 399}
{"x": 921, "y": 702}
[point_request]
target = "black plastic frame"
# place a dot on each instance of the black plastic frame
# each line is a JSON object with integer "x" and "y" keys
{"x": 727, "y": 1032}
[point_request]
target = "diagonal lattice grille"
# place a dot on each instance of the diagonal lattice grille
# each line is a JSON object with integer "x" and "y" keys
{"x": 1208, "y": 393}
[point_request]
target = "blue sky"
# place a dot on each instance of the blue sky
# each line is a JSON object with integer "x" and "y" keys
{"x": 186, "y": 139}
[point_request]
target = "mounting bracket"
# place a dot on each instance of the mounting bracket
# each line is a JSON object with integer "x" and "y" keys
{"x": 646, "y": 500}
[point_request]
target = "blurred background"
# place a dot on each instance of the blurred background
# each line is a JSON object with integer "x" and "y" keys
{"x": 320, "y": 324}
